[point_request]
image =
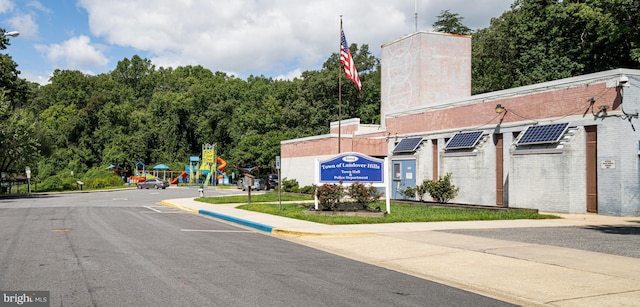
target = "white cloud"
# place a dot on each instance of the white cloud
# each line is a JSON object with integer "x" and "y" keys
{"x": 243, "y": 36}
{"x": 35, "y": 77}
{"x": 5, "y": 6}
{"x": 25, "y": 24}
{"x": 290, "y": 75}
{"x": 76, "y": 53}
{"x": 240, "y": 37}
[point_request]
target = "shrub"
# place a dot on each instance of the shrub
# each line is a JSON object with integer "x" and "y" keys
{"x": 329, "y": 195}
{"x": 290, "y": 185}
{"x": 362, "y": 194}
{"x": 53, "y": 183}
{"x": 307, "y": 189}
{"x": 408, "y": 192}
{"x": 442, "y": 189}
{"x": 421, "y": 190}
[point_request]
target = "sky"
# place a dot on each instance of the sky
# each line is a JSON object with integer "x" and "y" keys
{"x": 274, "y": 38}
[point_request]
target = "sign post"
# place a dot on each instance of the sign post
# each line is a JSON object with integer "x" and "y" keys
{"x": 279, "y": 184}
{"x": 28, "y": 171}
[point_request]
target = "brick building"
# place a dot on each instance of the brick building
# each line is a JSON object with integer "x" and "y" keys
{"x": 566, "y": 146}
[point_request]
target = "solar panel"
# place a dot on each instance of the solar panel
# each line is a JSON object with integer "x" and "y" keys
{"x": 407, "y": 145}
{"x": 543, "y": 134}
{"x": 464, "y": 140}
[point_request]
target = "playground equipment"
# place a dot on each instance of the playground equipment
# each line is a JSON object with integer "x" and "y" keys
{"x": 204, "y": 171}
{"x": 182, "y": 177}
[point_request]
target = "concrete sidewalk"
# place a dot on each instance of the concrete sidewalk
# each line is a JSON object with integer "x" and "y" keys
{"x": 521, "y": 273}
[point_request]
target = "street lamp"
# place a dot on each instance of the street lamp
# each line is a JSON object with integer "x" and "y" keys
{"x": 12, "y": 33}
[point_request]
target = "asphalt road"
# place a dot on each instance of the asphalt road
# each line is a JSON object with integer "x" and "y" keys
{"x": 122, "y": 248}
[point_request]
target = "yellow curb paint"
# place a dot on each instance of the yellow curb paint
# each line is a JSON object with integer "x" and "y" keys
{"x": 284, "y": 232}
{"x": 168, "y": 204}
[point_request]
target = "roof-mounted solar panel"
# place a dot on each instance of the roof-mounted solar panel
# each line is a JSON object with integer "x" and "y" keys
{"x": 407, "y": 145}
{"x": 543, "y": 134}
{"x": 464, "y": 140}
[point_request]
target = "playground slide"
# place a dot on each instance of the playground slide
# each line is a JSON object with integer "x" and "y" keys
{"x": 208, "y": 179}
{"x": 222, "y": 164}
{"x": 183, "y": 175}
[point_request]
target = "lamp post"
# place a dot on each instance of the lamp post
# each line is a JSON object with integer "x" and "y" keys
{"x": 12, "y": 33}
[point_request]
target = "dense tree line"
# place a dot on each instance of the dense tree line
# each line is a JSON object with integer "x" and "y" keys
{"x": 543, "y": 40}
{"x": 139, "y": 112}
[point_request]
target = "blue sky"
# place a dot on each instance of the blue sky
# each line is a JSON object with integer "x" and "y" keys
{"x": 274, "y": 38}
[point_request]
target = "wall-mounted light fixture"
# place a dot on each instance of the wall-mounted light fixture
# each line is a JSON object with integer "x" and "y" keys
{"x": 499, "y": 108}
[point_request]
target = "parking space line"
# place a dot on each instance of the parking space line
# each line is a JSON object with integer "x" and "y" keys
{"x": 153, "y": 209}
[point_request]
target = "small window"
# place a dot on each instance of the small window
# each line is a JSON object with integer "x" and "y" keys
{"x": 397, "y": 174}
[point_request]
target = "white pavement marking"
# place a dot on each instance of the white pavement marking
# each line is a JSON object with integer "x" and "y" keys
{"x": 151, "y": 208}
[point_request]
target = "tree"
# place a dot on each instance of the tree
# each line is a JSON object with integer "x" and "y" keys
{"x": 19, "y": 144}
{"x": 450, "y": 23}
{"x": 544, "y": 40}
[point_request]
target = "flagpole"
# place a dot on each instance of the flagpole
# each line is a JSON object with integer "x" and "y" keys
{"x": 340, "y": 69}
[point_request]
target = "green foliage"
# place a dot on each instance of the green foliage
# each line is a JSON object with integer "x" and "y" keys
{"x": 408, "y": 192}
{"x": 58, "y": 182}
{"x": 421, "y": 190}
{"x": 442, "y": 189}
{"x": 53, "y": 183}
{"x": 400, "y": 213}
{"x": 266, "y": 197}
{"x": 363, "y": 195}
{"x": 138, "y": 112}
{"x": 330, "y": 196}
{"x": 289, "y": 185}
{"x": 538, "y": 41}
{"x": 307, "y": 189}
{"x": 450, "y": 23}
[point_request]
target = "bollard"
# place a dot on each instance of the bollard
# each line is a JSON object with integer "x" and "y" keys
{"x": 201, "y": 192}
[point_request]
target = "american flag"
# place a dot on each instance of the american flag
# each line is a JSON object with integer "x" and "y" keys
{"x": 347, "y": 62}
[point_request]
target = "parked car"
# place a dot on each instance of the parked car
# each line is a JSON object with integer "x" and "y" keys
{"x": 258, "y": 185}
{"x": 155, "y": 183}
{"x": 272, "y": 181}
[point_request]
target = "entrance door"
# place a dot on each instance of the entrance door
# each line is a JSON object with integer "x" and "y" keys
{"x": 404, "y": 175}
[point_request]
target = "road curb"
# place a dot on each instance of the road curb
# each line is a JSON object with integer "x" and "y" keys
{"x": 292, "y": 233}
{"x": 169, "y": 204}
{"x": 258, "y": 226}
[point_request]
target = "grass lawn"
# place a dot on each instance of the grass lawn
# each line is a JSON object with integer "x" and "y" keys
{"x": 400, "y": 213}
{"x": 256, "y": 198}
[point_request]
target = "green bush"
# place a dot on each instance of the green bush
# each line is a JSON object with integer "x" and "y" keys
{"x": 101, "y": 180}
{"x": 329, "y": 195}
{"x": 442, "y": 189}
{"x": 53, "y": 183}
{"x": 290, "y": 185}
{"x": 307, "y": 189}
{"x": 421, "y": 190}
{"x": 362, "y": 194}
{"x": 408, "y": 192}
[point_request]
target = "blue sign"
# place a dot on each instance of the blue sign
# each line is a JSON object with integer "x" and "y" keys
{"x": 352, "y": 167}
